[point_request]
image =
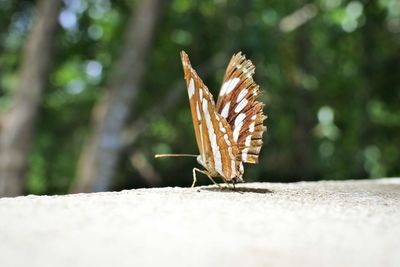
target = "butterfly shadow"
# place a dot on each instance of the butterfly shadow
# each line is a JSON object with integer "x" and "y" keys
{"x": 239, "y": 189}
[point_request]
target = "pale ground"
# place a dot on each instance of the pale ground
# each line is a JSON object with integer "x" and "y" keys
{"x": 354, "y": 223}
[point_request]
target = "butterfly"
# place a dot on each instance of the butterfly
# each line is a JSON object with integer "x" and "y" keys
{"x": 228, "y": 133}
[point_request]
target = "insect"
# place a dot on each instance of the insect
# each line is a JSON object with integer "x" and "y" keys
{"x": 228, "y": 133}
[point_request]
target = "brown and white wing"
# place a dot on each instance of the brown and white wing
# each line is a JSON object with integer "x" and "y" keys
{"x": 238, "y": 105}
{"x": 214, "y": 137}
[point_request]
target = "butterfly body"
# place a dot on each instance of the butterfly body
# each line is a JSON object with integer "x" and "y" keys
{"x": 230, "y": 132}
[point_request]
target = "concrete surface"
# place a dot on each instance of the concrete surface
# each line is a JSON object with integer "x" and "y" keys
{"x": 353, "y": 223}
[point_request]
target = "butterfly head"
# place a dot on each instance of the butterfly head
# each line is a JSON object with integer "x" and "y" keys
{"x": 198, "y": 158}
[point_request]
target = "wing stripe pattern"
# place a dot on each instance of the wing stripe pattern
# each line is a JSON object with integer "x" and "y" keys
{"x": 213, "y": 138}
{"x": 237, "y": 103}
{"x": 218, "y": 151}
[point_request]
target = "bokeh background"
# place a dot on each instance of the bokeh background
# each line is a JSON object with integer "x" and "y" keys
{"x": 90, "y": 90}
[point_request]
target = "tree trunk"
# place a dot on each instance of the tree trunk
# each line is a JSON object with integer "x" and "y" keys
{"x": 18, "y": 123}
{"x": 101, "y": 152}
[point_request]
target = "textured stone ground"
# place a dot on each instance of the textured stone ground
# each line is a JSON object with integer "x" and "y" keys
{"x": 353, "y": 223}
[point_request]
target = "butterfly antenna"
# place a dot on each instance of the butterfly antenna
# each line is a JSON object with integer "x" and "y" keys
{"x": 174, "y": 155}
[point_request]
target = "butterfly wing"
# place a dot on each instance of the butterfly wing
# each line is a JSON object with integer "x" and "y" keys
{"x": 238, "y": 105}
{"x": 218, "y": 151}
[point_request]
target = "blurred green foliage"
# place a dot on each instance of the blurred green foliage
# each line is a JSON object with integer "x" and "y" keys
{"x": 329, "y": 70}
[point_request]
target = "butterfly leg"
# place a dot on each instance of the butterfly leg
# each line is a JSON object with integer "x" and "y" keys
{"x": 204, "y": 172}
{"x": 231, "y": 185}
{"x": 234, "y": 185}
{"x": 194, "y": 177}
